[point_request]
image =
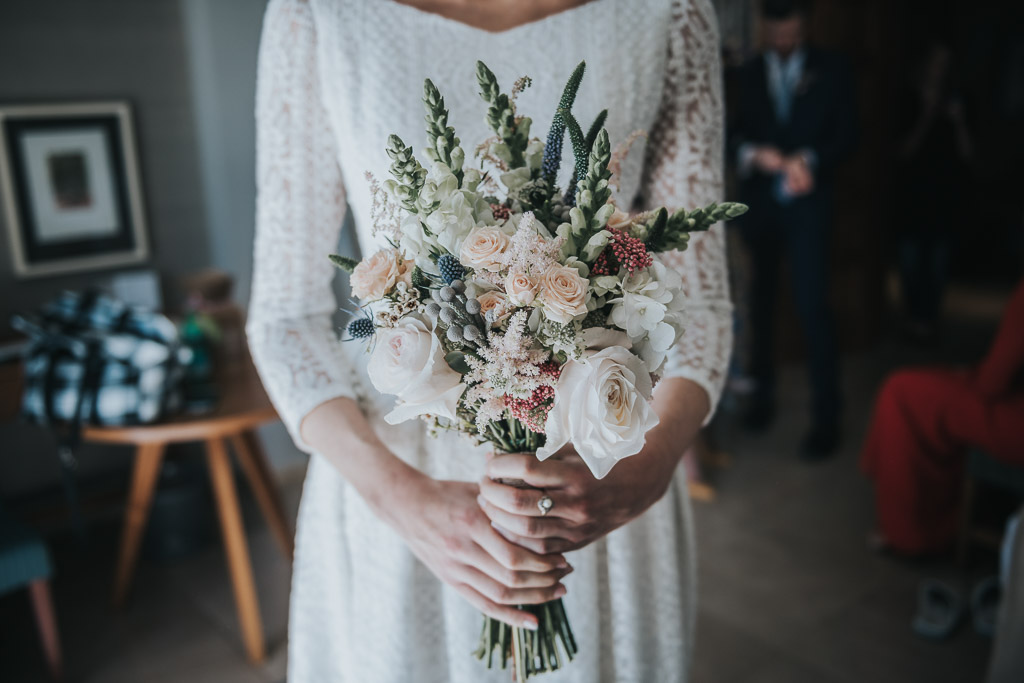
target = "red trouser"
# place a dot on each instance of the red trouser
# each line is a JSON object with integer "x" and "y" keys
{"x": 924, "y": 422}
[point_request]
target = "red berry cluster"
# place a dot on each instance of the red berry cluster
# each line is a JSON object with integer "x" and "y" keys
{"x": 622, "y": 251}
{"x": 500, "y": 212}
{"x": 533, "y": 411}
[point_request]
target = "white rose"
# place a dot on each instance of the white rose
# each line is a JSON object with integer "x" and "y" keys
{"x": 520, "y": 287}
{"x": 603, "y": 408}
{"x": 408, "y": 361}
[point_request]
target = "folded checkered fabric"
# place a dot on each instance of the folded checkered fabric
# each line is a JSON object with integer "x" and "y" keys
{"x": 93, "y": 359}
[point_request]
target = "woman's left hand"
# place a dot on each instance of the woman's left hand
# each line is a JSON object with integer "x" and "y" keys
{"x": 584, "y": 508}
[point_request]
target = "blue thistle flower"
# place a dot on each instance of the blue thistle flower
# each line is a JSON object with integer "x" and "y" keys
{"x": 450, "y": 268}
{"x": 361, "y": 328}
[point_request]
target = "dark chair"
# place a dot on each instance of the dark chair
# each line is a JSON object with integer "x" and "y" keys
{"x": 25, "y": 563}
{"x": 984, "y": 469}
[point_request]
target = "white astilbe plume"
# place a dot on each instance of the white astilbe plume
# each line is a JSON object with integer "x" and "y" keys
{"x": 507, "y": 366}
{"x": 385, "y": 213}
{"x": 528, "y": 251}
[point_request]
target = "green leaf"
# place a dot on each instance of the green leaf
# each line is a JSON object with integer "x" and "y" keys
{"x": 457, "y": 361}
{"x": 346, "y": 263}
{"x": 579, "y": 150}
{"x": 656, "y": 231}
{"x": 595, "y": 128}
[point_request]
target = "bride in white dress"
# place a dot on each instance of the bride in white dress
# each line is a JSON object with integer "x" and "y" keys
{"x": 396, "y": 555}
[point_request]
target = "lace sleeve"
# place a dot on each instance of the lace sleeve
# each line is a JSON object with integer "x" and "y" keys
{"x": 684, "y": 168}
{"x": 300, "y": 206}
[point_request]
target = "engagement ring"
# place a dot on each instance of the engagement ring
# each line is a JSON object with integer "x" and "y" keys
{"x": 545, "y": 504}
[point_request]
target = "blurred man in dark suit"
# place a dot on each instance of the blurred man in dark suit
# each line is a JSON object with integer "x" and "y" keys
{"x": 794, "y": 124}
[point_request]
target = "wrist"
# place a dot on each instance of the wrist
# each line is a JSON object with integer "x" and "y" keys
{"x": 395, "y": 492}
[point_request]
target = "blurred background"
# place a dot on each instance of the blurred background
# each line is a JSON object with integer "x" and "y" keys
{"x": 161, "y": 553}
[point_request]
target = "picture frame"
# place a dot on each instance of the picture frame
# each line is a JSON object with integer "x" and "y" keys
{"x": 69, "y": 182}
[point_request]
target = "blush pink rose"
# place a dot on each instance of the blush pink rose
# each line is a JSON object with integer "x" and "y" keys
{"x": 563, "y": 293}
{"x": 521, "y": 288}
{"x": 483, "y": 247}
{"x": 377, "y": 275}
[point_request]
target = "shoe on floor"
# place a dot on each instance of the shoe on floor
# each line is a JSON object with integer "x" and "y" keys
{"x": 821, "y": 443}
{"x": 939, "y": 610}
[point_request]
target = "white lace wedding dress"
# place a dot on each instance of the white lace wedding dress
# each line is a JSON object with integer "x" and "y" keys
{"x": 335, "y": 78}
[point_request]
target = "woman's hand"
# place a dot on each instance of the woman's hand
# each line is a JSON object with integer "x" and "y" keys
{"x": 446, "y": 529}
{"x": 586, "y": 508}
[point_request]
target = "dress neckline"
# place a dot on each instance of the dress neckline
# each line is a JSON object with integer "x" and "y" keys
{"x": 440, "y": 18}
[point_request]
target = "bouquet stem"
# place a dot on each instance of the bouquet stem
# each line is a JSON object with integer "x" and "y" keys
{"x": 530, "y": 652}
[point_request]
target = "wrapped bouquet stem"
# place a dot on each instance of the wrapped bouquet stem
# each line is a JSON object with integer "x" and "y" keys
{"x": 523, "y": 314}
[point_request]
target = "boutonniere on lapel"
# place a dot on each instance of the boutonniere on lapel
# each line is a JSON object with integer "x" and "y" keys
{"x": 806, "y": 81}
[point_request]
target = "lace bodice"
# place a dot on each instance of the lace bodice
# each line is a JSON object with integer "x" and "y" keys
{"x": 337, "y": 76}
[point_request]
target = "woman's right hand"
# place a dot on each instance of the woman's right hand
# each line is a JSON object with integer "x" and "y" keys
{"x": 446, "y": 529}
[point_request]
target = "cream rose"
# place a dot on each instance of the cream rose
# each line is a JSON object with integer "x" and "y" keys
{"x": 603, "y": 408}
{"x": 620, "y": 220}
{"x": 563, "y": 293}
{"x": 483, "y": 247}
{"x": 408, "y": 361}
{"x": 374, "y": 277}
{"x": 521, "y": 288}
{"x": 495, "y": 301}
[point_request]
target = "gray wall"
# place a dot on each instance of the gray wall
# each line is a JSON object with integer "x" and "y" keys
{"x": 222, "y": 39}
{"x": 188, "y": 67}
{"x": 67, "y": 50}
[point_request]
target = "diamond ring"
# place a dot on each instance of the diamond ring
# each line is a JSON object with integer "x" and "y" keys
{"x": 545, "y": 504}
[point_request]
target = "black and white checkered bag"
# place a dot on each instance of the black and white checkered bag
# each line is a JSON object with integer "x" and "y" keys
{"x": 94, "y": 360}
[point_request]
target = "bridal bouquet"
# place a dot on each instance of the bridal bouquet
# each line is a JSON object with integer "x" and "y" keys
{"x": 523, "y": 315}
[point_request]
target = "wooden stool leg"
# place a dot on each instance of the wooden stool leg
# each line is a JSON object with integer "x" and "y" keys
{"x": 236, "y": 549}
{"x": 257, "y": 471}
{"x": 148, "y": 458}
{"x": 46, "y": 621}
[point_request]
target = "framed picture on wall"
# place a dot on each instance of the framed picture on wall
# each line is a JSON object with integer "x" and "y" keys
{"x": 69, "y": 178}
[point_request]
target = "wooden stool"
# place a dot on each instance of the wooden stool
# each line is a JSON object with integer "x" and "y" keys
{"x": 242, "y": 406}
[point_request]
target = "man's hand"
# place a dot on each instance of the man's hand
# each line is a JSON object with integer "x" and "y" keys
{"x": 768, "y": 159}
{"x": 798, "y": 179}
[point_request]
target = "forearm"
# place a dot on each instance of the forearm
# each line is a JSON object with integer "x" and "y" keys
{"x": 681, "y": 405}
{"x": 338, "y": 430}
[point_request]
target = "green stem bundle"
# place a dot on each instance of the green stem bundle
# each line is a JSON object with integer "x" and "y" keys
{"x": 530, "y": 652}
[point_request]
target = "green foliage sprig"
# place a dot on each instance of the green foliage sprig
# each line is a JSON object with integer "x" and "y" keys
{"x": 673, "y": 232}
{"x": 346, "y": 263}
{"x": 442, "y": 145}
{"x": 588, "y": 145}
{"x": 585, "y": 231}
{"x": 553, "y": 146}
{"x": 409, "y": 175}
{"x": 501, "y": 117}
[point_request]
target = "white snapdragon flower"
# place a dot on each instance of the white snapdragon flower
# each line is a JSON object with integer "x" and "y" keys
{"x": 649, "y": 311}
{"x": 452, "y": 214}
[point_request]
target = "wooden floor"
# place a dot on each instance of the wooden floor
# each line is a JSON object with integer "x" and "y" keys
{"x": 788, "y": 593}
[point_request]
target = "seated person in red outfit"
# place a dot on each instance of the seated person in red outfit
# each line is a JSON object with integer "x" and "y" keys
{"x": 924, "y": 423}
